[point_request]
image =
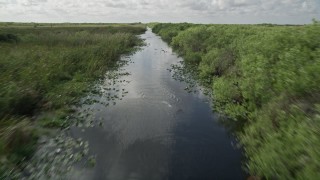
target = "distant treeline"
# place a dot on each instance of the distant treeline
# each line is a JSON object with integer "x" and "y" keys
{"x": 266, "y": 78}
{"x": 35, "y": 24}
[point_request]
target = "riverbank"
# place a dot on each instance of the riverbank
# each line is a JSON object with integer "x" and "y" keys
{"x": 45, "y": 69}
{"x": 266, "y": 78}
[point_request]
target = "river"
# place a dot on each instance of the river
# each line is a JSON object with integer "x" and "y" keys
{"x": 154, "y": 128}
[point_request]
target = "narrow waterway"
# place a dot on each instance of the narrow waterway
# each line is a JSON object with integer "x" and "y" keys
{"x": 155, "y": 129}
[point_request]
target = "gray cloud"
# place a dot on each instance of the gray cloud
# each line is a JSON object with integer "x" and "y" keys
{"x": 199, "y": 11}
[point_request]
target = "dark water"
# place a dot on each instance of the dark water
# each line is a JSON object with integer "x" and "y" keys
{"x": 158, "y": 130}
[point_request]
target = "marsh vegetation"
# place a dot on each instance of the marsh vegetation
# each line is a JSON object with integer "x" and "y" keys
{"x": 44, "y": 70}
{"x": 264, "y": 80}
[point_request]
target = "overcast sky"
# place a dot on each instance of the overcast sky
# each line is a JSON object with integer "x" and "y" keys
{"x": 196, "y": 11}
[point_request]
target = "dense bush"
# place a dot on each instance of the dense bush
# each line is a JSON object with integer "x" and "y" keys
{"x": 168, "y": 31}
{"x": 8, "y": 38}
{"x": 266, "y": 77}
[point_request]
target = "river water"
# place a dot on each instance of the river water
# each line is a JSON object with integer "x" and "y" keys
{"x": 154, "y": 128}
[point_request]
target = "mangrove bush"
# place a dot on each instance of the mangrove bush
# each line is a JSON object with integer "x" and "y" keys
{"x": 267, "y": 78}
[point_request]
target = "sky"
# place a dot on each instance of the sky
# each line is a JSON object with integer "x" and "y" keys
{"x": 194, "y": 11}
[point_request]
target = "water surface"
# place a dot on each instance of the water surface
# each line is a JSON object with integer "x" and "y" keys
{"x": 154, "y": 128}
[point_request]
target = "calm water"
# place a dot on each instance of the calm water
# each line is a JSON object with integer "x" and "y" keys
{"x": 157, "y": 130}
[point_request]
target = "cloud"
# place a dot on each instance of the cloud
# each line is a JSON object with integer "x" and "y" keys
{"x": 206, "y": 11}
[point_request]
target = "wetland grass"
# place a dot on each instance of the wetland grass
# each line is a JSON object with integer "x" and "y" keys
{"x": 44, "y": 70}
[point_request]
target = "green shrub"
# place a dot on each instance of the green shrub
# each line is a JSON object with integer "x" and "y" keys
{"x": 10, "y": 38}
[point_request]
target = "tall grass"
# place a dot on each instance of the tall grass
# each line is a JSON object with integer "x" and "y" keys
{"x": 47, "y": 70}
